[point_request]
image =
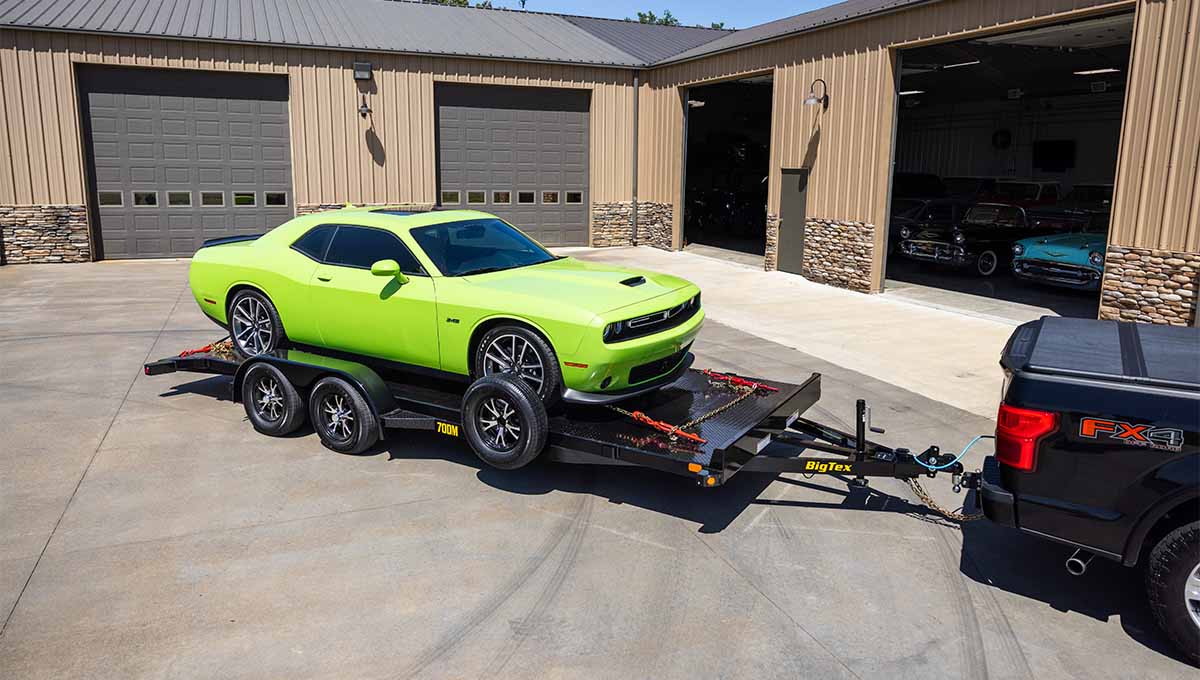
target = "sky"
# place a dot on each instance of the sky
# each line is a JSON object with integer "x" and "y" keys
{"x": 735, "y": 14}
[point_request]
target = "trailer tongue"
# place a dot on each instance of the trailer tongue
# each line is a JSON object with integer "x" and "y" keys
{"x": 705, "y": 426}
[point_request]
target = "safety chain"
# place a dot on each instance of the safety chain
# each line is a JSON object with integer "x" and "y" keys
{"x": 222, "y": 349}
{"x": 744, "y": 388}
{"x": 933, "y": 505}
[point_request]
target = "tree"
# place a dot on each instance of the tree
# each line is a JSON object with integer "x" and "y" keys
{"x": 719, "y": 25}
{"x": 667, "y": 19}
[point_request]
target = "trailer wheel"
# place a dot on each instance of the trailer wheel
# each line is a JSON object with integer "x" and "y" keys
{"x": 272, "y": 403}
{"x": 1173, "y": 586}
{"x": 342, "y": 418}
{"x": 505, "y": 421}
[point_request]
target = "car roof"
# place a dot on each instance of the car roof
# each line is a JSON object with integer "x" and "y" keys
{"x": 396, "y": 217}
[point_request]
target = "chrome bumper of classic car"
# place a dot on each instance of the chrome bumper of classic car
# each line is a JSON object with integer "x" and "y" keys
{"x": 934, "y": 251}
{"x": 1057, "y": 274}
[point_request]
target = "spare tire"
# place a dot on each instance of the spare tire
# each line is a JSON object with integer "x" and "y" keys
{"x": 504, "y": 421}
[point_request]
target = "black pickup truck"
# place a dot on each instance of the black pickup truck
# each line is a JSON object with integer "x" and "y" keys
{"x": 1098, "y": 447}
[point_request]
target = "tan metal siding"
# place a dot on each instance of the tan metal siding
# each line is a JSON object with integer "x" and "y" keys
{"x": 332, "y": 153}
{"x": 1157, "y": 201}
{"x": 847, "y": 147}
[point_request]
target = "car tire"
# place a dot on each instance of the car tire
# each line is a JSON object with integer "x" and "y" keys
{"x": 254, "y": 325}
{"x": 342, "y": 418}
{"x": 273, "y": 405}
{"x": 1173, "y": 566}
{"x": 504, "y": 421}
{"x": 987, "y": 262}
{"x": 496, "y": 345}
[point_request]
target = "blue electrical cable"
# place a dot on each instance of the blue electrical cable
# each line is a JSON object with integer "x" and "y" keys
{"x": 956, "y": 458}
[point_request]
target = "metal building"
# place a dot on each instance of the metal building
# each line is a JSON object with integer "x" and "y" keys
{"x": 138, "y": 129}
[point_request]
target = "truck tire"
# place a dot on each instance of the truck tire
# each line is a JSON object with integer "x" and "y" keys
{"x": 342, "y": 418}
{"x": 1173, "y": 586}
{"x": 272, "y": 404}
{"x": 504, "y": 420}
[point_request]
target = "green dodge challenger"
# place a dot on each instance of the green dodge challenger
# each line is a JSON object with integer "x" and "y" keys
{"x": 458, "y": 292}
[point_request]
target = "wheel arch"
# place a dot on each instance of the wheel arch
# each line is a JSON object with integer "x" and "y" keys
{"x": 1170, "y": 514}
{"x": 489, "y": 323}
{"x": 246, "y": 285}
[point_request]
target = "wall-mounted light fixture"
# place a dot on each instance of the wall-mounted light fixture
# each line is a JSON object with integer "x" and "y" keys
{"x": 813, "y": 99}
{"x": 363, "y": 109}
{"x": 362, "y": 70}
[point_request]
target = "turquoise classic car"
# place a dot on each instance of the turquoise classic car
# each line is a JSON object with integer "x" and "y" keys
{"x": 1074, "y": 260}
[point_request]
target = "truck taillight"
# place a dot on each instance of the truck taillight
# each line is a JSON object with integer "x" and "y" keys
{"x": 1018, "y": 431}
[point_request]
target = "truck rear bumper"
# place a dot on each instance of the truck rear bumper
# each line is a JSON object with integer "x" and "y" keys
{"x": 998, "y": 503}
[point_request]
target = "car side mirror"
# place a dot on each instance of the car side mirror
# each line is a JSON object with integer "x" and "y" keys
{"x": 389, "y": 268}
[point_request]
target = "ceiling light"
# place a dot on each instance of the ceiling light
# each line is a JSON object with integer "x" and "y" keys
{"x": 964, "y": 63}
{"x": 1097, "y": 71}
{"x": 905, "y": 93}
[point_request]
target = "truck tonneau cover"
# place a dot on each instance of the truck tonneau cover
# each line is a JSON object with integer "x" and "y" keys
{"x": 1165, "y": 356}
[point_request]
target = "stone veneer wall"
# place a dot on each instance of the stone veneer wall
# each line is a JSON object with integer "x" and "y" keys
{"x": 44, "y": 233}
{"x": 612, "y": 224}
{"x": 1152, "y": 286}
{"x": 309, "y": 208}
{"x": 836, "y": 252}
{"x": 771, "y": 254}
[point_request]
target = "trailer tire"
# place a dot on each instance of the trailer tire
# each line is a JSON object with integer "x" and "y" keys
{"x": 342, "y": 418}
{"x": 545, "y": 379}
{"x": 273, "y": 405}
{"x": 504, "y": 420}
{"x": 1173, "y": 562}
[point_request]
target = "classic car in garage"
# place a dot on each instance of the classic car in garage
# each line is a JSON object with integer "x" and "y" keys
{"x": 1074, "y": 260}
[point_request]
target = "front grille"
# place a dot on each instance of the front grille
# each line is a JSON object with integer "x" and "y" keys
{"x": 931, "y": 250}
{"x": 656, "y": 322}
{"x": 1057, "y": 271}
{"x": 657, "y": 367}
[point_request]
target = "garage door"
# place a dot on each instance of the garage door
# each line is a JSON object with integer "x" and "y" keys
{"x": 518, "y": 152}
{"x": 176, "y": 157}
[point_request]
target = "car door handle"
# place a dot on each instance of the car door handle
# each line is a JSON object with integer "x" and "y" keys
{"x": 326, "y": 279}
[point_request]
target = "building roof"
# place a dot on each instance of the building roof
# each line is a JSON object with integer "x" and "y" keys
{"x": 412, "y": 27}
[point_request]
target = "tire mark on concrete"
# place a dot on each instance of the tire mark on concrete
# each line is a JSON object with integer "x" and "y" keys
{"x": 536, "y": 613}
{"x": 1010, "y": 645}
{"x": 973, "y": 655}
{"x": 452, "y": 638}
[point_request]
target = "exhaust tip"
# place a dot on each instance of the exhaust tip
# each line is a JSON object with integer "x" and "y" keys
{"x": 1078, "y": 563}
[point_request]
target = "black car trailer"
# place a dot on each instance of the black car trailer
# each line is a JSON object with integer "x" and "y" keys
{"x": 724, "y": 423}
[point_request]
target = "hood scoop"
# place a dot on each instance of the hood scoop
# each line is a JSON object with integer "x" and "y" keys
{"x": 634, "y": 281}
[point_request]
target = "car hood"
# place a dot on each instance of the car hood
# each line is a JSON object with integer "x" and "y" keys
{"x": 1067, "y": 247}
{"x": 593, "y": 286}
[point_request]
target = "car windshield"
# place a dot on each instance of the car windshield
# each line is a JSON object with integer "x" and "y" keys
{"x": 1087, "y": 193}
{"x": 993, "y": 215}
{"x": 907, "y": 207}
{"x": 478, "y": 246}
{"x": 1016, "y": 191}
{"x": 962, "y": 186}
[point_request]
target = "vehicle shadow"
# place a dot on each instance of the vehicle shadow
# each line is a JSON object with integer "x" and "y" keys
{"x": 1001, "y": 286}
{"x": 712, "y": 509}
{"x": 1017, "y": 563}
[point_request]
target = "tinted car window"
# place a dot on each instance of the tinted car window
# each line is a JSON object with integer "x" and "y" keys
{"x": 362, "y": 247}
{"x": 478, "y": 246}
{"x": 941, "y": 213}
{"x": 313, "y": 243}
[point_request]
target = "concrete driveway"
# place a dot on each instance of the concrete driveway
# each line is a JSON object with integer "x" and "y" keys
{"x": 147, "y": 531}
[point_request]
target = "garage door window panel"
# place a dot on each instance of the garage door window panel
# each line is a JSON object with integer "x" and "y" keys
{"x": 179, "y": 199}
{"x": 361, "y": 247}
{"x": 450, "y": 198}
{"x": 275, "y": 198}
{"x": 114, "y": 199}
{"x": 476, "y": 197}
{"x": 212, "y": 199}
{"x": 145, "y": 199}
{"x": 244, "y": 199}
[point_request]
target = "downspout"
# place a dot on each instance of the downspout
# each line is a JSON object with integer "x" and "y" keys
{"x": 636, "y": 87}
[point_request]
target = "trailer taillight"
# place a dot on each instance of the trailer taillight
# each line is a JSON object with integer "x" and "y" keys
{"x": 1018, "y": 431}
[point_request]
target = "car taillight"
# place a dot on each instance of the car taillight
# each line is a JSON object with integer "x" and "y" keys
{"x": 1018, "y": 431}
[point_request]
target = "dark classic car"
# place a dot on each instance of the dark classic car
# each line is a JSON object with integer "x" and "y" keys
{"x": 912, "y": 215}
{"x": 984, "y": 238}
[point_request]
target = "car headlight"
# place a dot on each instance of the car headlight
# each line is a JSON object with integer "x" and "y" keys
{"x": 612, "y": 330}
{"x": 960, "y": 237}
{"x": 905, "y": 232}
{"x": 1096, "y": 258}
{"x": 1018, "y": 249}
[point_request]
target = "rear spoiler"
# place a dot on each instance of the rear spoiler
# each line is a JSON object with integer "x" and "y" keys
{"x": 230, "y": 239}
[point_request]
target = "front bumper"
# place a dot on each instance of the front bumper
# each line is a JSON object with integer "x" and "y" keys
{"x": 937, "y": 251}
{"x": 594, "y": 398}
{"x": 999, "y": 505}
{"x": 629, "y": 367}
{"x": 1078, "y": 277}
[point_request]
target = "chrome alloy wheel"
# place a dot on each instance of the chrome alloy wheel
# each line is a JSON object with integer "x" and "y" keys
{"x": 514, "y": 354}
{"x": 499, "y": 423}
{"x": 252, "y": 326}
{"x": 336, "y": 417}
{"x": 268, "y": 398}
{"x": 1191, "y": 595}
